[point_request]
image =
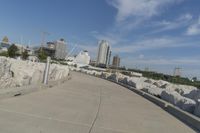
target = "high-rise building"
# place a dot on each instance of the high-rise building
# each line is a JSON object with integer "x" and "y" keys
{"x": 104, "y": 54}
{"x": 109, "y": 58}
{"x": 116, "y": 61}
{"x": 60, "y": 49}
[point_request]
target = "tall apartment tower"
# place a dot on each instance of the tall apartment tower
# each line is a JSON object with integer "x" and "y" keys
{"x": 104, "y": 54}
{"x": 116, "y": 61}
{"x": 60, "y": 49}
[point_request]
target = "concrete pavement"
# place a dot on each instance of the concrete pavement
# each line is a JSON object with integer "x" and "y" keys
{"x": 85, "y": 104}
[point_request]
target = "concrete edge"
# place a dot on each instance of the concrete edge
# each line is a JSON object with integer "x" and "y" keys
{"x": 184, "y": 116}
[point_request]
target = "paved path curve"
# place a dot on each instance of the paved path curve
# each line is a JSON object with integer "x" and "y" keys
{"x": 85, "y": 104}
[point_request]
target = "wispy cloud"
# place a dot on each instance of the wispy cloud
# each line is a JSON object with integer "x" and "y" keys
{"x": 194, "y": 29}
{"x": 132, "y": 13}
{"x": 165, "y": 25}
{"x": 155, "y": 43}
{"x": 139, "y": 8}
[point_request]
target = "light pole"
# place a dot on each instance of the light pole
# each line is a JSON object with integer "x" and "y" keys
{"x": 46, "y": 71}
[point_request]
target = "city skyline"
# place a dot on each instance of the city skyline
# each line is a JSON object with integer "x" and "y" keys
{"x": 163, "y": 36}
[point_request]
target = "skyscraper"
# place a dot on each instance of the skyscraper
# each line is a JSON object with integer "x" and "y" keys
{"x": 104, "y": 54}
{"x": 60, "y": 49}
{"x": 116, "y": 61}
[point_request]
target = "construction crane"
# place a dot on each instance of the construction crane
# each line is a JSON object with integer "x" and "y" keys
{"x": 44, "y": 34}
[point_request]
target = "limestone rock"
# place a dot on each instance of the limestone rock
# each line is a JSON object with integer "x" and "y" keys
{"x": 176, "y": 99}
{"x": 16, "y": 73}
{"x": 155, "y": 91}
{"x": 197, "y": 109}
{"x": 194, "y": 94}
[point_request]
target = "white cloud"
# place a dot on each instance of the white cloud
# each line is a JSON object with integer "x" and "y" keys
{"x": 154, "y": 43}
{"x": 194, "y": 29}
{"x": 141, "y": 56}
{"x": 165, "y": 25}
{"x": 139, "y": 8}
{"x": 185, "y": 17}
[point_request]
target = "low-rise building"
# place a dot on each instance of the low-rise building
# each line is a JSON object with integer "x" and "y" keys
{"x": 4, "y": 46}
{"x": 82, "y": 58}
{"x": 56, "y": 49}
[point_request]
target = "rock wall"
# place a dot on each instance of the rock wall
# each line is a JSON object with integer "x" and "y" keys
{"x": 16, "y": 73}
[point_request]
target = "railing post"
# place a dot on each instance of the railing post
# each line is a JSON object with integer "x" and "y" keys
{"x": 46, "y": 71}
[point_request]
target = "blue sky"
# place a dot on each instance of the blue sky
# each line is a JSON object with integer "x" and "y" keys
{"x": 159, "y": 34}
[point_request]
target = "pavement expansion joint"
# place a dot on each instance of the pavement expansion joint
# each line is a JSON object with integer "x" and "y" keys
{"x": 98, "y": 109}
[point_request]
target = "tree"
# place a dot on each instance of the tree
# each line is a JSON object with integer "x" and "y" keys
{"x": 12, "y": 51}
{"x": 42, "y": 55}
{"x": 194, "y": 79}
{"x": 25, "y": 55}
{"x": 4, "y": 54}
{"x": 5, "y": 39}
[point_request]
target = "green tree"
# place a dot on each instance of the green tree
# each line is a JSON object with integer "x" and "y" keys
{"x": 42, "y": 55}
{"x": 194, "y": 79}
{"x": 12, "y": 51}
{"x": 5, "y": 39}
{"x": 25, "y": 55}
{"x": 4, "y": 54}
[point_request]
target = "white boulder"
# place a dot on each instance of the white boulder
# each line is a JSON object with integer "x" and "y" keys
{"x": 113, "y": 77}
{"x": 16, "y": 73}
{"x": 181, "y": 89}
{"x": 123, "y": 80}
{"x": 194, "y": 94}
{"x": 155, "y": 91}
{"x": 105, "y": 75}
{"x": 176, "y": 99}
{"x": 197, "y": 109}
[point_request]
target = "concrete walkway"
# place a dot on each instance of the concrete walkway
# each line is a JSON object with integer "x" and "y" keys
{"x": 85, "y": 104}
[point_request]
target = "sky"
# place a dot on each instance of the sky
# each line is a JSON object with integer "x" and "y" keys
{"x": 158, "y": 34}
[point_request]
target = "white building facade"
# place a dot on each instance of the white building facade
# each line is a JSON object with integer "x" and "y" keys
{"x": 60, "y": 49}
{"x": 82, "y": 58}
{"x": 104, "y": 53}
